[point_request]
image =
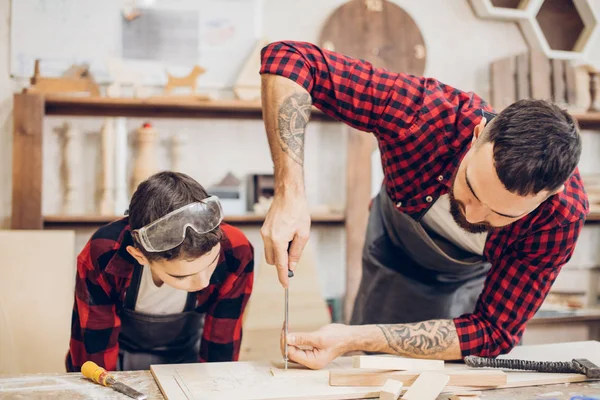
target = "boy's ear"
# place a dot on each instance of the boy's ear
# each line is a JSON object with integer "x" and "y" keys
{"x": 138, "y": 255}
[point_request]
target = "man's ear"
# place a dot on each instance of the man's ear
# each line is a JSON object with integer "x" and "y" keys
{"x": 478, "y": 129}
{"x": 138, "y": 255}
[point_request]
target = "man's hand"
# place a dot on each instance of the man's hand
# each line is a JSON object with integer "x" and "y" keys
{"x": 317, "y": 349}
{"x": 288, "y": 220}
{"x": 286, "y": 110}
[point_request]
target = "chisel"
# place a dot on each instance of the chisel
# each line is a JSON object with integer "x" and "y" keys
{"x": 290, "y": 274}
{"x": 99, "y": 375}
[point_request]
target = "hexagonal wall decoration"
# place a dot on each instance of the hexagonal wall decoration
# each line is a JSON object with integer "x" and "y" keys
{"x": 562, "y": 29}
{"x": 508, "y": 10}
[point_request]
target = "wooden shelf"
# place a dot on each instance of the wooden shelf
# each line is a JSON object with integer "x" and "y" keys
{"x": 589, "y": 120}
{"x": 72, "y": 221}
{"x": 158, "y": 107}
{"x": 593, "y": 217}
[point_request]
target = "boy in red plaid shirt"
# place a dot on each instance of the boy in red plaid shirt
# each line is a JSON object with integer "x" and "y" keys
{"x": 166, "y": 284}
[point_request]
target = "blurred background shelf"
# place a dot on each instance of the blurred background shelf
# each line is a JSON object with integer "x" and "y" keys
{"x": 63, "y": 221}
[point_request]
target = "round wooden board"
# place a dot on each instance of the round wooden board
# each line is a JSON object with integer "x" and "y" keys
{"x": 377, "y": 31}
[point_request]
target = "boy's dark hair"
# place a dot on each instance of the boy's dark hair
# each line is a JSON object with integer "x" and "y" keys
{"x": 159, "y": 195}
{"x": 537, "y": 146}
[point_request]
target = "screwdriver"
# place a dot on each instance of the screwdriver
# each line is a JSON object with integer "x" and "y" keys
{"x": 99, "y": 375}
{"x": 290, "y": 274}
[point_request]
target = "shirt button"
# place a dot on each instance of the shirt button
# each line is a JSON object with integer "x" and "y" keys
{"x": 429, "y": 199}
{"x": 441, "y": 178}
{"x": 399, "y": 204}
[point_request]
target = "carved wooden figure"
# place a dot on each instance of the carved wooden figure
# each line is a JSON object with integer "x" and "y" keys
{"x": 70, "y": 160}
{"x": 145, "y": 165}
{"x": 186, "y": 81}
{"x": 76, "y": 79}
{"x": 106, "y": 187}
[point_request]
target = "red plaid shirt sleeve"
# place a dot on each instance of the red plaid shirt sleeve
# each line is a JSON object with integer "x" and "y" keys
{"x": 95, "y": 324}
{"x": 222, "y": 334}
{"x": 350, "y": 90}
{"x": 514, "y": 290}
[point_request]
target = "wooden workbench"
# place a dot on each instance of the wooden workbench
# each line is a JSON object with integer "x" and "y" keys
{"x": 75, "y": 387}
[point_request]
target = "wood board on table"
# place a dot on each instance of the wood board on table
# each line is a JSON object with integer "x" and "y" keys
{"x": 254, "y": 380}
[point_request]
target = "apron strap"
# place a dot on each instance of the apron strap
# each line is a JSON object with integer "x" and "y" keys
{"x": 134, "y": 287}
{"x": 190, "y": 303}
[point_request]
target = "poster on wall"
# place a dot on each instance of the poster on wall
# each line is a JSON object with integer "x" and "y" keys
{"x": 147, "y": 38}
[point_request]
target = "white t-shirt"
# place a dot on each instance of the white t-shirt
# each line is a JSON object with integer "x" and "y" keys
{"x": 439, "y": 219}
{"x": 156, "y": 300}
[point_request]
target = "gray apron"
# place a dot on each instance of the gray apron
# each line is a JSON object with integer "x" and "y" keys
{"x": 411, "y": 274}
{"x": 157, "y": 339}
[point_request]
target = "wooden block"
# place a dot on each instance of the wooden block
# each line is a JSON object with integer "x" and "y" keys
{"x": 391, "y": 390}
{"x": 396, "y": 363}
{"x": 463, "y": 377}
{"x": 427, "y": 386}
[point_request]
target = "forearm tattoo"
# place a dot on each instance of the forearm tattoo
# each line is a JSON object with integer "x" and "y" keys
{"x": 292, "y": 118}
{"x": 421, "y": 338}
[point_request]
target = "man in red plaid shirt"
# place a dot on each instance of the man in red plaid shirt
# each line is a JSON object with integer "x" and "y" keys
{"x": 168, "y": 284}
{"x": 476, "y": 216}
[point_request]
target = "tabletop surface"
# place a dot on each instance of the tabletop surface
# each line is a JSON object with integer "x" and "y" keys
{"x": 74, "y": 387}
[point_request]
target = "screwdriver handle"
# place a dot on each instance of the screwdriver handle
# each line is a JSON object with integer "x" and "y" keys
{"x": 96, "y": 373}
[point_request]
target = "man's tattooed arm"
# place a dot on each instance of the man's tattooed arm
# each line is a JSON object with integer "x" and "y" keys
{"x": 292, "y": 117}
{"x": 423, "y": 339}
{"x": 435, "y": 339}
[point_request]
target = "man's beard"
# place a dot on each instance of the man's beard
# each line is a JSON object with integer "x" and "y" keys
{"x": 457, "y": 209}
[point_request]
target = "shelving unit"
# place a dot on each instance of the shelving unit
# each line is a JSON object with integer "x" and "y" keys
{"x": 31, "y": 109}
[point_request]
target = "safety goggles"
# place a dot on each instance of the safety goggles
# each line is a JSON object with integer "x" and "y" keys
{"x": 168, "y": 232}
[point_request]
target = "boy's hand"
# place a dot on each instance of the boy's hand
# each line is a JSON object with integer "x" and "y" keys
{"x": 288, "y": 220}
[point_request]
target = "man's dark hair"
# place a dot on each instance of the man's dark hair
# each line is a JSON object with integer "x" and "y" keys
{"x": 159, "y": 195}
{"x": 537, "y": 146}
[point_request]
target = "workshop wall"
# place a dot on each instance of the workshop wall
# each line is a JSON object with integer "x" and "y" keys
{"x": 460, "y": 48}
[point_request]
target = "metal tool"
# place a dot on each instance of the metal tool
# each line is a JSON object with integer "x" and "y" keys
{"x": 101, "y": 376}
{"x": 285, "y": 326}
{"x": 577, "y": 366}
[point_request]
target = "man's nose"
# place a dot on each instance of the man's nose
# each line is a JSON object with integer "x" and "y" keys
{"x": 475, "y": 213}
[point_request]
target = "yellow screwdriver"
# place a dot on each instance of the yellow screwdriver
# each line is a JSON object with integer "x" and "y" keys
{"x": 99, "y": 375}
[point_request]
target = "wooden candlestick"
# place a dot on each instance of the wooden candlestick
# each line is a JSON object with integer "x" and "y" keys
{"x": 107, "y": 175}
{"x": 70, "y": 157}
{"x": 121, "y": 147}
{"x": 175, "y": 150}
{"x": 594, "y": 91}
{"x": 144, "y": 142}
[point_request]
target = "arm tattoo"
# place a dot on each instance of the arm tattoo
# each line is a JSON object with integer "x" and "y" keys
{"x": 292, "y": 118}
{"x": 421, "y": 338}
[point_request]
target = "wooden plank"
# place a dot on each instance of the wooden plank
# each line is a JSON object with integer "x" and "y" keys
{"x": 159, "y": 106}
{"x": 358, "y": 195}
{"x": 502, "y": 74}
{"x": 391, "y": 390}
{"x": 522, "y": 80}
{"x": 539, "y": 65}
{"x": 245, "y": 380}
{"x": 458, "y": 377}
{"x": 427, "y": 386}
{"x": 570, "y": 83}
{"x": 558, "y": 82}
{"x": 35, "y": 316}
{"x": 396, "y": 363}
{"x": 28, "y": 115}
